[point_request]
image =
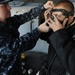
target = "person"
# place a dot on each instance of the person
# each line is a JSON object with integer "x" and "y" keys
{"x": 11, "y": 45}
{"x": 61, "y": 40}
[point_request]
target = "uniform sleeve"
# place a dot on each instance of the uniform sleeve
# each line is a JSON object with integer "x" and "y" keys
{"x": 11, "y": 47}
{"x": 17, "y": 45}
{"x": 64, "y": 46}
{"x": 25, "y": 17}
{"x": 29, "y": 40}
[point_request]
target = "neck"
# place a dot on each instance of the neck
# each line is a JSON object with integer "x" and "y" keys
{"x": 4, "y": 21}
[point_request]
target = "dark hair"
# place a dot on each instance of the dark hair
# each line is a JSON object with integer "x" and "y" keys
{"x": 68, "y": 4}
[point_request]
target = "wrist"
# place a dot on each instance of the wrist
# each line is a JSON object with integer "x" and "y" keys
{"x": 39, "y": 29}
{"x": 44, "y": 6}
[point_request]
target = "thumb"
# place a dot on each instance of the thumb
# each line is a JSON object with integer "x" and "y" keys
{"x": 65, "y": 21}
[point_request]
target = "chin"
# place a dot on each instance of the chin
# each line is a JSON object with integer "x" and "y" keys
{"x": 8, "y": 16}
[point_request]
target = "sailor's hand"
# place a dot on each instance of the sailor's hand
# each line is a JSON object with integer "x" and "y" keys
{"x": 43, "y": 27}
{"x": 49, "y": 4}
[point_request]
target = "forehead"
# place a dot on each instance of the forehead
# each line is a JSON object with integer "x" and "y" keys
{"x": 59, "y": 7}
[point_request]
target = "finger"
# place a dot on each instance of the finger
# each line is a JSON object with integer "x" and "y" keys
{"x": 65, "y": 21}
{"x": 51, "y": 3}
{"x": 49, "y": 10}
{"x": 55, "y": 18}
{"x": 50, "y": 25}
{"x": 51, "y": 20}
{"x": 46, "y": 11}
{"x": 47, "y": 20}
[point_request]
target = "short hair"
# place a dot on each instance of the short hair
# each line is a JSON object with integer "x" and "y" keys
{"x": 68, "y": 5}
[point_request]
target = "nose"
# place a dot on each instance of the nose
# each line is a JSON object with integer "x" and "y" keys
{"x": 8, "y": 7}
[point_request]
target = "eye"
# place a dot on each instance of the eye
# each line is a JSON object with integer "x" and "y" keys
{"x": 57, "y": 15}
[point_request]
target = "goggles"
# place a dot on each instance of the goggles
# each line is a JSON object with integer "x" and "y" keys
{"x": 64, "y": 12}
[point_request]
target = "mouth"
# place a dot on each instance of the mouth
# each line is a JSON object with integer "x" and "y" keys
{"x": 9, "y": 13}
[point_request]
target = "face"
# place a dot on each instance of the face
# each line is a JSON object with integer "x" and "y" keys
{"x": 59, "y": 14}
{"x": 4, "y": 11}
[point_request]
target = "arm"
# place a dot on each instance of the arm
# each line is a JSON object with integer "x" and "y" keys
{"x": 25, "y": 17}
{"x": 23, "y": 43}
{"x": 44, "y": 36}
{"x": 27, "y": 41}
{"x": 18, "y": 20}
{"x": 33, "y": 13}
